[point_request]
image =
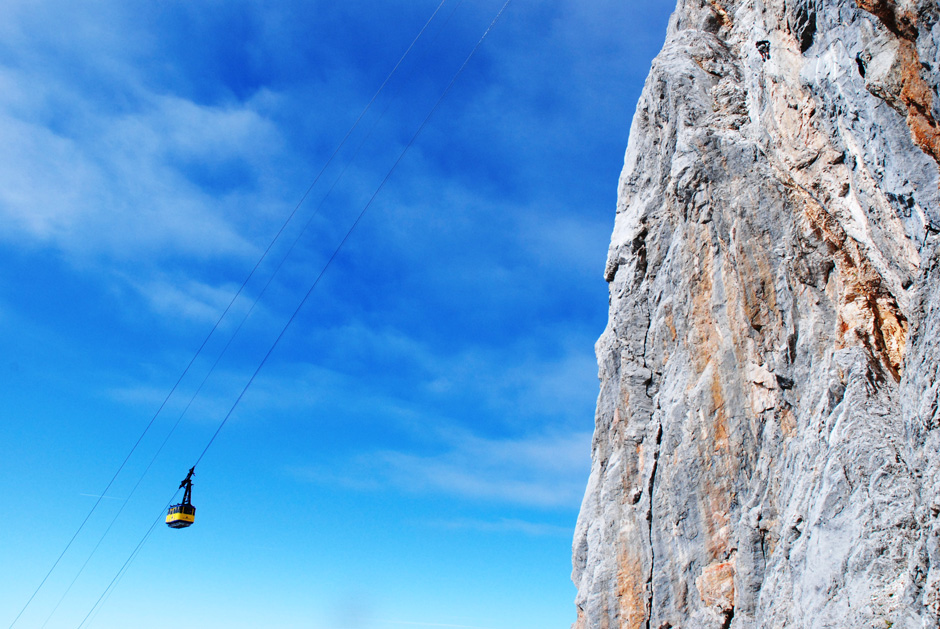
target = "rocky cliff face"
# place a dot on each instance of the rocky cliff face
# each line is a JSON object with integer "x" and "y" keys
{"x": 767, "y": 445}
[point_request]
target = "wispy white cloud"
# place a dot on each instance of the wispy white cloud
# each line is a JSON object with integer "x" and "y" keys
{"x": 392, "y": 370}
{"x": 209, "y": 407}
{"x": 544, "y": 471}
{"x": 103, "y": 159}
{"x": 503, "y": 525}
{"x": 186, "y": 297}
{"x": 121, "y": 186}
{"x": 100, "y": 496}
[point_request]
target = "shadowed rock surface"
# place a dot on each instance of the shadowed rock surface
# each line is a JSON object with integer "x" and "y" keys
{"x": 767, "y": 443}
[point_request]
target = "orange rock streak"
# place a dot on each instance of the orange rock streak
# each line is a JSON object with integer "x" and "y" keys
{"x": 915, "y": 93}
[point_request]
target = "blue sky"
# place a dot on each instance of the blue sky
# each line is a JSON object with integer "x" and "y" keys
{"x": 414, "y": 452}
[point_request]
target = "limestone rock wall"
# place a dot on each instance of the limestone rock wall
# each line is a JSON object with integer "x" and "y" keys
{"x": 767, "y": 443}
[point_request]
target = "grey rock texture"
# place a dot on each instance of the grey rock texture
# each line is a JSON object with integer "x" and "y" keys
{"x": 767, "y": 443}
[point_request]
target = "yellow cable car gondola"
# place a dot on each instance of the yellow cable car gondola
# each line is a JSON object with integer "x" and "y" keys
{"x": 183, "y": 514}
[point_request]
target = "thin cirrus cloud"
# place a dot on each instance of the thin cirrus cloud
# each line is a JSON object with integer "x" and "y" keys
{"x": 156, "y": 171}
{"x": 410, "y": 382}
{"x": 185, "y": 297}
{"x": 517, "y": 471}
{"x": 102, "y": 159}
{"x": 512, "y": 384}
{"x": 501, "y": 525}
{"x": 114, "y": 186}
{"x": 544, "y": 471}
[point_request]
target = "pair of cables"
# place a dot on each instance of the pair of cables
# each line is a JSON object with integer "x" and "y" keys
{"x": 123, "y": 569}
